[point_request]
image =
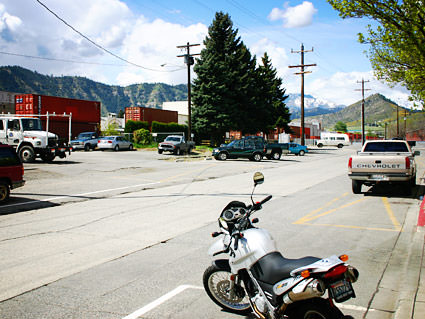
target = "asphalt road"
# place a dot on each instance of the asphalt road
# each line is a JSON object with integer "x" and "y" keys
{"x": 125, "y": 235}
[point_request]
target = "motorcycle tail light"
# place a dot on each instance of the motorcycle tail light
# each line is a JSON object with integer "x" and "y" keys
{"x": 344, "y": 257}
{"x": 305, "y": 274}
{"x": 336, "y": 272}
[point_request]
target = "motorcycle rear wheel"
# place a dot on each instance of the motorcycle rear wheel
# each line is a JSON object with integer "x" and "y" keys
{"x": 316, "y": 308}
{"x": 217, "y": 284}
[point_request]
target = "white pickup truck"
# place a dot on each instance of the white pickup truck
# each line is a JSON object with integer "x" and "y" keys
{"x": 383, "y": 161}
{"x": 176, "y": 144}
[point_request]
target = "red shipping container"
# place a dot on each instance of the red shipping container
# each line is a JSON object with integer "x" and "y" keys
{"x": 82, "y": 110}
{"x": 146, "y": 114}
{"x": 61, "y": 128}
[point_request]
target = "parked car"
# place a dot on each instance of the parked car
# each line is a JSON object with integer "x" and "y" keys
{"x": 297, "y": 149}
{"x": 115, "y": 143}
{"x": 11, "y": 171}
{"x": 85, "y": 141}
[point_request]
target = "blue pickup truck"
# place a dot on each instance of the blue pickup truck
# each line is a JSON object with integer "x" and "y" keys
{"x": 297, "y": 149}
{"x": 85, "y": 141}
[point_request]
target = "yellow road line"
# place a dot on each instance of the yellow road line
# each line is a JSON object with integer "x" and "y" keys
{"x": 352, "y": 227}
{"x": 391, "y": 214}
{"x": 301, "y": 220}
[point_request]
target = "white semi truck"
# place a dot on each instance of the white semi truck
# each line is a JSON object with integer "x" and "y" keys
{"x": 26, "y": 135}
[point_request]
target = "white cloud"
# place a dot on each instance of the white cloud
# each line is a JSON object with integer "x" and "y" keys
{"x": 277, "y": 55}
{"x": 8, "y": 22}
{"x": 153, "y": 44}
{"x": 341, "y": 88}
{"x": 294, "y": 17}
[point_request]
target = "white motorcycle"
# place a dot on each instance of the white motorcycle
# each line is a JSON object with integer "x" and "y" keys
{"x": 256, "y": 278}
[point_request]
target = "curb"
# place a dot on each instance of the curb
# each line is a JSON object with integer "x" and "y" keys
{"x": 396, "y": 292}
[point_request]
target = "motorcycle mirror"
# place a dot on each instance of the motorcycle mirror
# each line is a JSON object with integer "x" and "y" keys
{"x": 258, "y": 178}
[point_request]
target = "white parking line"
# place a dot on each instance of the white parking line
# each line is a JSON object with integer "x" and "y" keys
{"x": 79, "y": 195}
{"x": 179, "y": 289}
{"x": 159, "y": 301}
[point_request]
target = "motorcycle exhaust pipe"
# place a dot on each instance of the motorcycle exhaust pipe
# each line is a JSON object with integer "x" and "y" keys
{"x": 352, "y": 274}
{"x": 310, "y": 289}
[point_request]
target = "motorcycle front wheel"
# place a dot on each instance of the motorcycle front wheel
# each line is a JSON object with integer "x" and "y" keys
{"x": 316, "y": 308}
{"x": 217, "y": 285}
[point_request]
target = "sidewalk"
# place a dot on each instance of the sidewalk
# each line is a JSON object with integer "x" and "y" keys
{"x": 401, "y": 290}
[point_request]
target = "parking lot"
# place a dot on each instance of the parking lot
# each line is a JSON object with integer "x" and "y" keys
{"x": 125, "y": 234}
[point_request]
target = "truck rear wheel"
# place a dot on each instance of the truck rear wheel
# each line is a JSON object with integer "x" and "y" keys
{"x": 257, "y": 157}
{"x": 48, "y": 157}
{"x": 4, "y": 191}
{"x": 276, "y": 155}
{"x": 356, "y": 186}
{"x": 27, "y": 154}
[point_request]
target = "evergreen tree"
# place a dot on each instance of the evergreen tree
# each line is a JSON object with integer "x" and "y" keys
{"x": 272, "y": 110}
{"x": 222, "y": 92}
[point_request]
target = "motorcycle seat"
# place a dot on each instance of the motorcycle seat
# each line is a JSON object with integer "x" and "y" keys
{"x": 273, "y": 267}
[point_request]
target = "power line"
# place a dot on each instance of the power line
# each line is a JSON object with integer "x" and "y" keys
{"x": 94, "y": 43}
{"x": 59, "y": 60}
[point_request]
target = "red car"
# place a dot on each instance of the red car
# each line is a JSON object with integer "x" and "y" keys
{"x": 11, "y": 171}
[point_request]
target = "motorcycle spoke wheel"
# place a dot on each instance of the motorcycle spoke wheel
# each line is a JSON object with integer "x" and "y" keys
{"x": 217, "y": 286}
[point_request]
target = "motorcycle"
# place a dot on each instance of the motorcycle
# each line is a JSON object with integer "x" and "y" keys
{"x": 255, "y": 277}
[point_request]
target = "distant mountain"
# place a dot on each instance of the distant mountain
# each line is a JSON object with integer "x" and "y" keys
{"x": 377, "y": 108}
{"x": 113, "y": 98}
{"x": 312, "y": 106}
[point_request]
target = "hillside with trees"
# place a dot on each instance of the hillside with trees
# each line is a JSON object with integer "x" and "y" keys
{"x": 113, "y": 98}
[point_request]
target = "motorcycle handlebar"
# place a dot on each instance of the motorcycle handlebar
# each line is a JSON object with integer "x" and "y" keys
{"x": 266, "y": 199}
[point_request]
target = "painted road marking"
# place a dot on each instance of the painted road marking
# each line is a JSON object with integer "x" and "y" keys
{"x": 391, "y": 214}
{"x": 156, "y": 303}
{"x": 421, "y": 217}
{"x": 159, "y": 301}
{"x": 315, "y": 214}
{"x": 79, "y": 195}
{"x": 103, "y": 190}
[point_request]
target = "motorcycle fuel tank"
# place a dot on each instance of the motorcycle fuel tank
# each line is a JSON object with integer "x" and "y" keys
{"x": 254, "y": 244}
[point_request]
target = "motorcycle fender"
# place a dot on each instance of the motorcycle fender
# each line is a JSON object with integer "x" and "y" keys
{"x": 222, "y": 264}
{"x": 218, "y": 246}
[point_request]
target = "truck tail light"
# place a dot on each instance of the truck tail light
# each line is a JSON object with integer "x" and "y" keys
{"x": 407, "y": 163}
{"x": 350, "y": 163}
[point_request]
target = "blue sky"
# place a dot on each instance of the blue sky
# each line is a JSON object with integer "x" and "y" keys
{"x": 146, "y": 33}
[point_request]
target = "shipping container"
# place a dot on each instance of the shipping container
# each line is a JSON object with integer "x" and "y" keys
{"x": 81, "y": 110}
{"x": 61, "y": 127}
{"x": 146, "y": 114}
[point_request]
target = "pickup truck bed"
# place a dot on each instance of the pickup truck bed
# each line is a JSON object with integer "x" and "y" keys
{"x": 383, "y": 162}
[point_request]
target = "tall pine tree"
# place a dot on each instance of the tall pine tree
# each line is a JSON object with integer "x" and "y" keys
{"x": 222, "y": 92}
{"x": 271, "y": 98}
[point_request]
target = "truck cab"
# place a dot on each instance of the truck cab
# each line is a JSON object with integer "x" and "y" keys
{"x": 26, "y": 135}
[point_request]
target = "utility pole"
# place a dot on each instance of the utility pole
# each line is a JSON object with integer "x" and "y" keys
{"x": 188, "y": 59}
{"x": 302, "y": 72}
{"x": 363, "y": 89}
{"x": 398, "y": 129}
